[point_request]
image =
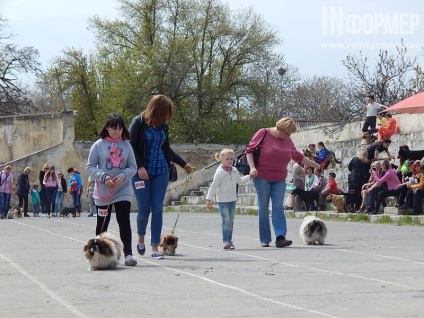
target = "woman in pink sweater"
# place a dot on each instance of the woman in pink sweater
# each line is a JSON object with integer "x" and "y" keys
{"x": 392, "y": 181}
{"x": 269, "y": 176}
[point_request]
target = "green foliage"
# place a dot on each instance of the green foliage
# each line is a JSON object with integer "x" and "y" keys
{"x": 384, "y": 219}
{"x": 198, "y": 53}
{"x": 409, "y": 220}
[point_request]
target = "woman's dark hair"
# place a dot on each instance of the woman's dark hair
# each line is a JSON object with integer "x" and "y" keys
{"x": 321, "y": 144}
{"x": 115, "y": 120}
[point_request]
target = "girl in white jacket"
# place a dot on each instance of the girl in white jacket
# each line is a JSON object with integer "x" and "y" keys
{"x": 224, "y": 186}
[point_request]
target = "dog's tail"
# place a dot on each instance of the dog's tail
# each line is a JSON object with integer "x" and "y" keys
{"x": 334, "y": 156}
{"x": 175, "y": 224}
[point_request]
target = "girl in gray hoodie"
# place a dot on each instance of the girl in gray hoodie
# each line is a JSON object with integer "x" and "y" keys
{"x": 111, "y": 164}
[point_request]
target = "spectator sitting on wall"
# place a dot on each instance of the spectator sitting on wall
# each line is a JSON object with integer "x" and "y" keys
{"x": 377, "y": 147}
{"x": 371, "y": 109}
{"x": 322, "y": 153}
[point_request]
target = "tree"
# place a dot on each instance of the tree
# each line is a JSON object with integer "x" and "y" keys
{"x": 196, "y": 52}
{"x": 14, "y": 62}
{"x": 390, "y": 80}
{"x": 72, "y": 84}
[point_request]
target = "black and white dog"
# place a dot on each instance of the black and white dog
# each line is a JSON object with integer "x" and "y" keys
{"x": 313, "y": 230}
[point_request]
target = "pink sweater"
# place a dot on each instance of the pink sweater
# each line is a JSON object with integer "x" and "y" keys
{"x": 275, "y": 155}
{"x": 390, "y": 177}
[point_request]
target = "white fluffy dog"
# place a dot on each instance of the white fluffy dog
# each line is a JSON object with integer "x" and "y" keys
{"x": 313, "y": 230}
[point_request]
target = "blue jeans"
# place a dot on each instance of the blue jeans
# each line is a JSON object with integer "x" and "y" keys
{"x": 76, "y": 201}
{"x": 418, "y": 199}
{"x": 2, "y": 204}
{"x": 50, "y": 199}
{"x": 60, "y": 195}
{"x": 274, "y": 190}
{"x": 227, "y": 210}
{"x": 150, "y": 195}
{"x": 36, "y": 208}
{"x": 91, "y": 203}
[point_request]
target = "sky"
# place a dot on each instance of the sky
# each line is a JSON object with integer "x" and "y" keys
{"x": 316, "y": 35}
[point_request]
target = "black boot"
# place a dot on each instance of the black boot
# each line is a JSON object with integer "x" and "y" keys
{"x": 27, "y": 215}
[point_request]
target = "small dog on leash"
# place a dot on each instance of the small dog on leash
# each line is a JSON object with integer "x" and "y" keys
{"x": 14, "y": 213}
{"x": 313, "y": 230}
{"x": 103, "y": 252}
{"x": 337, "y": 201}
{"x": 67, "y": 211}
{"x": 168, "y": 241}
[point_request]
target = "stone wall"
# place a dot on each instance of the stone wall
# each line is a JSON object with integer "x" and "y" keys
{"x": 33, "y": 140}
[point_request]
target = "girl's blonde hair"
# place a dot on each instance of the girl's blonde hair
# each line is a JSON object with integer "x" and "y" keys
{"x": 286, "y": 125}
{"x": 8, "y": 167}
{"x": 27, "y": 169}
{"x": 219, "y": 155}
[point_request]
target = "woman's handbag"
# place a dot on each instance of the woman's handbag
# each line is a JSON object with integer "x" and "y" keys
{"x": 173, "y": 175}
{"x": 241, "y": 162}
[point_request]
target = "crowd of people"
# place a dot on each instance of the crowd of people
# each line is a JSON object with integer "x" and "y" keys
{"x": 47, "y": 195}
{"x": 371, "y": 178}
{"x": 139, "y": 158}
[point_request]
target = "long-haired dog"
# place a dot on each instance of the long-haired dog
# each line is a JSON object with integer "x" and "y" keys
{"x": 103, "y": 252}
{"x": 14, "y": 213}
{"x": 313, "y": 230}
{"x": 168, "y": 241}
{"x": 337, "y": 201}
{"x": 67, "y": 211}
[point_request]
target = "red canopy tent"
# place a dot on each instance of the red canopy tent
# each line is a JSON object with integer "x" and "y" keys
{"x": 410, "y": 105}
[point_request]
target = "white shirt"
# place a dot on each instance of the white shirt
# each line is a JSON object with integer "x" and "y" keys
{"x": 372, "y": 109}
{"x": 224, "y": 185}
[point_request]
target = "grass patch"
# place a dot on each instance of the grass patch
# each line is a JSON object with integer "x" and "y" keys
{"x": 408, "y": 220}
{"x": 168, "y": 208}
{"x": 251, "y": 212}
{"x": 360, "y": 217}
{"x": 385, "y": 219}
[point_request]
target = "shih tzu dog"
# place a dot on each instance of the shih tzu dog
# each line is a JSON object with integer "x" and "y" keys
{"x": 67, "y": 211}
{"x": 14, "y": 213}
{"x": 313, "y": 230}
{"x": 168, "y": 243}
{"x": 103, "y": 252}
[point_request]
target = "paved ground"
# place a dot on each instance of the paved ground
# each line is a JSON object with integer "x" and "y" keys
{"x": 365, "y": 270}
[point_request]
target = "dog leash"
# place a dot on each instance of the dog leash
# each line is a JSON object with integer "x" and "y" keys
{"x": 175, "y": 224}
{"x": 107, "y": 199}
